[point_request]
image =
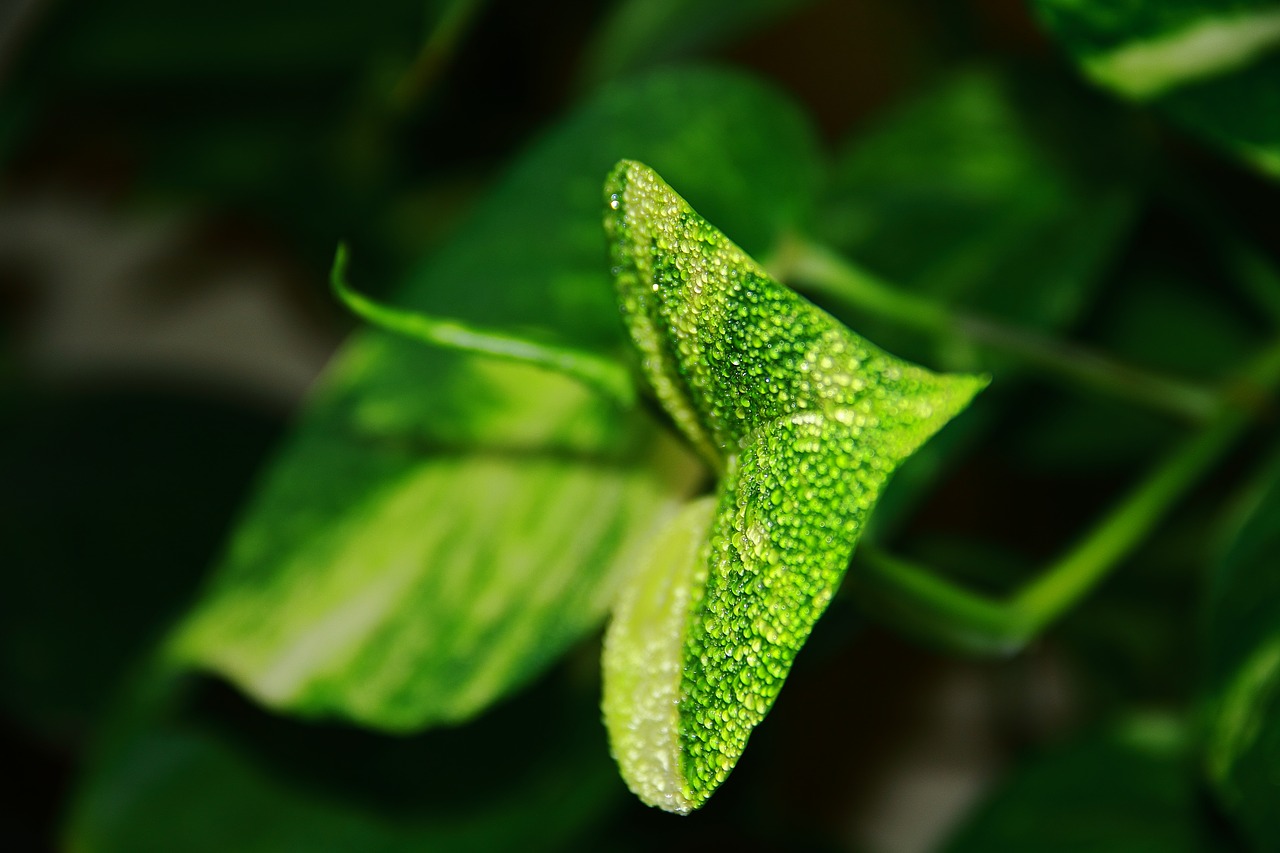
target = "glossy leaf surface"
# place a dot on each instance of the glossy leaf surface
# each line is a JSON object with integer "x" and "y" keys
{"x": 443, "y": 526}
{"x": 803, "y": 420}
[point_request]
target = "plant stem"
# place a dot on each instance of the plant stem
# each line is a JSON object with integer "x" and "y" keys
{"x": 944, "y": 611}
{"x": 601, "y": 374}
{"x": 818, "y": 270}
{"x": 437, "y": 49}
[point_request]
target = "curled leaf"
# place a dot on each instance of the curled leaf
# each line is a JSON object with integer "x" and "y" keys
{"x": 804, "y": 421}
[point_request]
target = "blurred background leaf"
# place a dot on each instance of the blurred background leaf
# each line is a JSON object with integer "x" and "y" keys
{"x": 1212, "y": 66}
{"x": 1242, "y": 686}
{"x": 977, "y": 193}
{"x": 1128, "y": 789}
{"x": 638, "y": 34}
{"x": 202, "y": 770}
{"x": 105, "y": 555}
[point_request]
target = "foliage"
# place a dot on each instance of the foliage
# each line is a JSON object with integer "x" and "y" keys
{"x": 628, "y": 425}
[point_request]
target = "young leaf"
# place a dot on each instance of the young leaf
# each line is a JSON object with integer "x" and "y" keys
{"x": 804, "y": 421}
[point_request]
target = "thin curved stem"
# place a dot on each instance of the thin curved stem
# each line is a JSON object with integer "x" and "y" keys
{"x": 819, "y": 270}
{"x": 943, "y": 611}
{"x": 610, "y": 378}
{"x": 436, "y": 51}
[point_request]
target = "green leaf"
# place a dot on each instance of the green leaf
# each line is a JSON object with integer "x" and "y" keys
{"x": 145, "y": 42}
{"x": 804, "y": 421}
{"x": 1129, "y": 789}
{"x": 984, "y": 192}
{"x": 100, "y": 556}
{"x": 210, "y": 775}
{"x": 442, "y": 527}
{"x": 1243, "y": 689}
{"x": 1212, "y": 65}
{"x": 703, "y": 127}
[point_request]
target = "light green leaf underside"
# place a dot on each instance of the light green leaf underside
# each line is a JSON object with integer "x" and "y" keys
{"x": 644, "y": 656}
{"x": 1211, "y": 65}
{"x": 442, "y": 526}
{"x": 804, "y": 420}
{"x": 1243, "y": 744}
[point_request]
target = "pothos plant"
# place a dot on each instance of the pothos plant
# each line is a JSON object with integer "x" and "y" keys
{"x": 694, "y": 453}
{"x": 801, "y": 422}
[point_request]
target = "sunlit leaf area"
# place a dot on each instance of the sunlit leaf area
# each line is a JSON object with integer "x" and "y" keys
{"x": 633, "y": 425}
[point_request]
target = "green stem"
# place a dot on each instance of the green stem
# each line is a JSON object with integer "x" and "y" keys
{"x": 601, "y": 374}
{"x": 437, "y": 49}
{"x": 946, "y": 612}
{"x": 818, "y": 270}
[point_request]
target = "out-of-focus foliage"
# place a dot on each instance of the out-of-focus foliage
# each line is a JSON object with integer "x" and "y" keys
{"x": 986, "y": 193}
{"x": 1130, "y": 789}
{"x": 637, "y": 34}
{"x": 1212, "y": 66}
{"x": 1079, "y": 179}
{"x": 1243, "y": 685}
{"x": 106, "y": 557}
{"x": 178, "y": 779}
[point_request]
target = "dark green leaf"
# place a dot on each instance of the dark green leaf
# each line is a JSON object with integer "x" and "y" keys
{"x": 987, "y": 193}
{"x": 984, "y": 192}
{"x": 111, "y": 504}
{"x": 442, "y": 527}
{"x": 1210, "y": 64}
{"x": 1162, "y": 303}
{"x": 208, "y": 775}
{"x": 642, "y": 33}
{"x": 1128, "y": 790}
{"x": 1243, "y": 686}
